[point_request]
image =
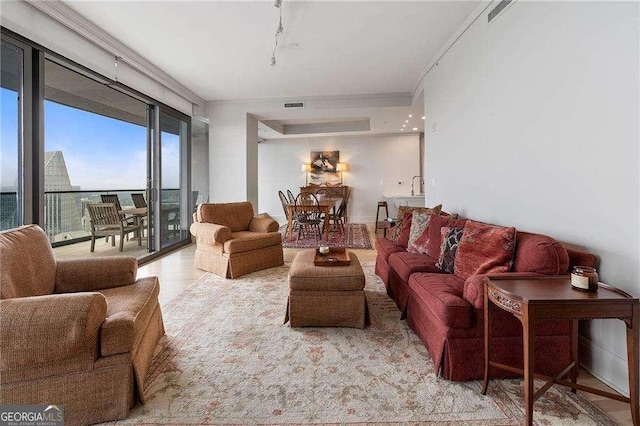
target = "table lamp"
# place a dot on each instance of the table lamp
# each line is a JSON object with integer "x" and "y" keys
{"x": 306, "y": 168}
{"x": 342, "y": 167}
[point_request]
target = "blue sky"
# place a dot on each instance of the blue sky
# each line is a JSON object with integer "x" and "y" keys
{"x": 100, "y": 152}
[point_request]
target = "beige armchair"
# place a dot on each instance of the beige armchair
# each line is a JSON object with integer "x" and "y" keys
{"x": 231, "y": 242}
{"x": 75, "y": 332}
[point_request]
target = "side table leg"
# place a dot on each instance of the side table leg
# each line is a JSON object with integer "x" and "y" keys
{"x": 528, "y": 340}
{"x": 574, "y": 353}
{"x": 632, "y": 360}
{"x": 488, "y": 320}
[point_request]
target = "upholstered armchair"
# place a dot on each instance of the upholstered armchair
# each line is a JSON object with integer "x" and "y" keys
{"x": 231, "y": 241}
{"x": 75, "y": 332}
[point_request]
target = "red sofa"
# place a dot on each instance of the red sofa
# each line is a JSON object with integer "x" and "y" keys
{"x": 446, "y": 311}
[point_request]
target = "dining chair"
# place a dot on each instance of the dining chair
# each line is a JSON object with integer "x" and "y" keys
{"x": 337, "y": 219}
{"x": 284, "y": 201}
{"x": 292, "y": 199}
{"x": 310, "y": 218}
{"x": 106, "y": 221}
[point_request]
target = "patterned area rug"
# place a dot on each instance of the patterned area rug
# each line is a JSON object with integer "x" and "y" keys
{"x": 355, "y": 236}
{"x": 227, "y": 358}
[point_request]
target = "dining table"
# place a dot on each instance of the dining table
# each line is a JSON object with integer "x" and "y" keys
{"x": 324, "y": 204}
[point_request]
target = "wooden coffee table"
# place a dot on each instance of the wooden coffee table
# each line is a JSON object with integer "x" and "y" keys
{"x": 533, "y": 299}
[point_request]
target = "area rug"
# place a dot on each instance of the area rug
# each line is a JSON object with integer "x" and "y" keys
{"x": 355, "y": 236}
{"x": 227, "y": 358}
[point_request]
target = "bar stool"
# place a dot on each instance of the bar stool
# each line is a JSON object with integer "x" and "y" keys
{"x": 382, "y": 224}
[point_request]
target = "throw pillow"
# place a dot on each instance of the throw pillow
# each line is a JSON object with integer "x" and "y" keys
{"x": 419, "y": 223}
{"x": 402, "y": 211}
{"x": 434, "y": 236}
{"x": 484, "y": 248}
{"x": 449, "y": 248}
{"x": 403, "y": 238}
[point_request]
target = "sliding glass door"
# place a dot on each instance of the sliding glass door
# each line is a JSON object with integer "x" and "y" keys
{"x": 174, "y": 202}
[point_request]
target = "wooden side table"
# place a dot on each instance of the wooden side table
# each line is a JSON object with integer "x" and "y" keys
{"x": 537, "y": 298}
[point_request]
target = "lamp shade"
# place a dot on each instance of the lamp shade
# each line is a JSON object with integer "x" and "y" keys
{"x": 342, "y": 167}
{"x": 305, "y": 168}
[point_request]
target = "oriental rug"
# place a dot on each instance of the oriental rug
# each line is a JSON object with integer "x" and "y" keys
{"x": 355, "y": 236}
{"x": 227, "y": 358}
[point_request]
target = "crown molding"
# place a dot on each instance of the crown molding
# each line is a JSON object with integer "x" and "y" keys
{"x": 71, "y": 19}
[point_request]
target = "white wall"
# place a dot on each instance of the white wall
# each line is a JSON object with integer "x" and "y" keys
{"x": 233, "y": 136}
{"x": 537, "y": 126}
{"x": 371, "y": 158}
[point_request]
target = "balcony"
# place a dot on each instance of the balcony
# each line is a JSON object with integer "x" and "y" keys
{"x": 68, "y": 226}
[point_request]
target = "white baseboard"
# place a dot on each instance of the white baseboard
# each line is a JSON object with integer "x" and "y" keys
{"x": 604, "y": 365}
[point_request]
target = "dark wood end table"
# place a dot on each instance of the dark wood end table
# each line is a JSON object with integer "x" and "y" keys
{"x": 536, "y": 298}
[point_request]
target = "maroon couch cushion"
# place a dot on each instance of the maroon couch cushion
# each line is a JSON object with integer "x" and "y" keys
{"x": 540, "y": 254}
{"x": 404, "y": 264}
{"x": 442, "y": 294}
{"x": 484, "y": 248}
{"x": 433, "y": 231}
{"x": 403, "y": 238}
{"x": 386, "y": 247}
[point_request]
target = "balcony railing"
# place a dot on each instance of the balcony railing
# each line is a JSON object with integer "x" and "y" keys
{"x": 66, "y": 219}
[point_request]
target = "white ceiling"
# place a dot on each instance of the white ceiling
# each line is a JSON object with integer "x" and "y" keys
{"x": 221, "y": 50}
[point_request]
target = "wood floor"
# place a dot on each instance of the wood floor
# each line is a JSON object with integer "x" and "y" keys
{"x": 176, "y": 273}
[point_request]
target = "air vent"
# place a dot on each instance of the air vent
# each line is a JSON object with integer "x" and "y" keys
{"x": 294, "y": 104}
{"x": 499, "y": 8}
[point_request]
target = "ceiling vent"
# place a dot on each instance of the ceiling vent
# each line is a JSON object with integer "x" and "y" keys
{"x": 294, "y": 104}
{"x": 499, "y": 8}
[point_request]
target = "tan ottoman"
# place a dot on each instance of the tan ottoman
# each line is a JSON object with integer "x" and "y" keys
{"x": 326, "y": 296}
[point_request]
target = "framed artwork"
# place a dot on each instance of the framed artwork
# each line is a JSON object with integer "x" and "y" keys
{"x": 324, "y": 166}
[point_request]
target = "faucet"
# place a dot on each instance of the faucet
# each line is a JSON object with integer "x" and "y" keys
{"x": 421, "y": 182}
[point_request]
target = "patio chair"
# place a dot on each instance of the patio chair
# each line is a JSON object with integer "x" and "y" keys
{"x": 140, "y": 203}
{"x": 106, "y": 221}
{"x": 138, "y": 200}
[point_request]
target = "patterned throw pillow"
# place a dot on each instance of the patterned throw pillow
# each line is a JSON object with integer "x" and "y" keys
{"x": 402, "y": 211}
{"x": 484, "y": 248}
{"x": 450, "y": 240}
{"x": 433, "y": 232}
{"x": 419, "y": 223}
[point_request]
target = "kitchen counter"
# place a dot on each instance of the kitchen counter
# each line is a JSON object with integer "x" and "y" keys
{"x": 403, "y": 199}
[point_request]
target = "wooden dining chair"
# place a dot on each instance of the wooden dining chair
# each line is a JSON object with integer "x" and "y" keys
{"x": 309, "y": 219}
{"x": 292, "y": 199}
{"x": 284, "y": 201}
{"x": 337, "y": 219}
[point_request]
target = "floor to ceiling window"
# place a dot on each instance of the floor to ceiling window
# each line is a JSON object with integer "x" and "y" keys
{"x": 95, "y": 142}
{"x": 69, "y": 138}
{"x": 11, "y": 63}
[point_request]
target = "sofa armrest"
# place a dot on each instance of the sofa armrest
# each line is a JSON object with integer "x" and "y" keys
{"x": 35, "y": 330}
{"x": 210, "y": 233}
{"x": 263, "y": 223}
{"x": 473, "y": 291}
{"x": 92, "y": 274}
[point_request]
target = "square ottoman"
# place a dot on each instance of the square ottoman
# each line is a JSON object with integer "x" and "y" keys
{"x": 326, "y": 296}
